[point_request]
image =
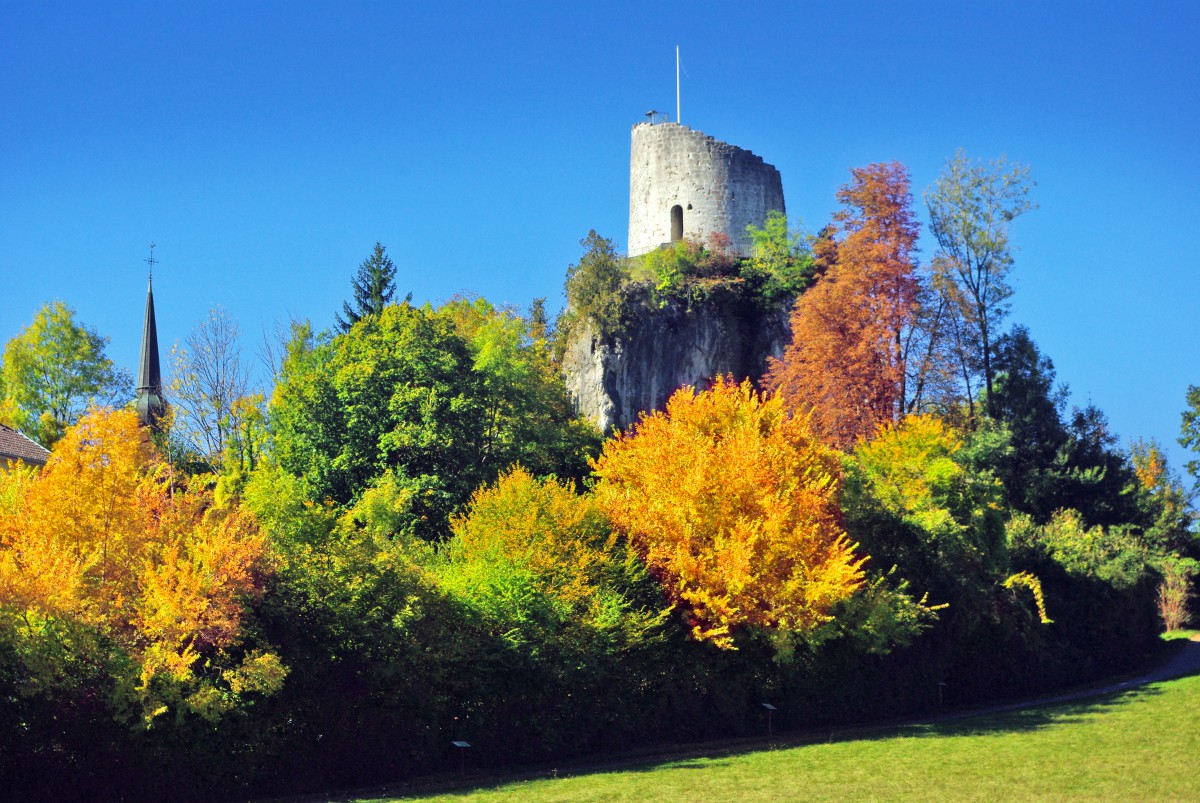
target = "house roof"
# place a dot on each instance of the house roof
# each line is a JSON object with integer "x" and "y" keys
{"x": 15, "y": 446}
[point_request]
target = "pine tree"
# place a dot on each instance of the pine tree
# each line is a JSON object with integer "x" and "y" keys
{"x": 374, "y": 285}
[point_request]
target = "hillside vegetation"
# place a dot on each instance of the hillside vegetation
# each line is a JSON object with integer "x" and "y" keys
{"x": 411, "y": 538}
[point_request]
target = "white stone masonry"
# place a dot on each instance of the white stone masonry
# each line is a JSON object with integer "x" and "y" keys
{"x": 716, "y": 186}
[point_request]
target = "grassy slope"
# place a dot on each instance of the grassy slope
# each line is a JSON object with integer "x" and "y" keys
{"x": 1134, "y": 745}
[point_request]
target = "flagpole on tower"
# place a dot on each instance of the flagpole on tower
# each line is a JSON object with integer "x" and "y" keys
{"x": 677, "y": 120}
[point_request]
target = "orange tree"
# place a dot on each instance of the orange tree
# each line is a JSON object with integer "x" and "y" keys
{"x": 103, "y": 562}
{"x": 734, "y": 504}
{"x": 848, "y": 356}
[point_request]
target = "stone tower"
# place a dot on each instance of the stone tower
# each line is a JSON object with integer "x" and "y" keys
{"x": 683, "y": 183}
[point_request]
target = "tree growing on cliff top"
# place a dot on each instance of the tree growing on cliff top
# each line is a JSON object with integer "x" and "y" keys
{"x": 782, "y": 259}
{"x": 593, "y": 286}
{"x": 848, "y": 357}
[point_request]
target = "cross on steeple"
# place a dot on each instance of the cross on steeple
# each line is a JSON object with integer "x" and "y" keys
{"x": 151, "y": 261}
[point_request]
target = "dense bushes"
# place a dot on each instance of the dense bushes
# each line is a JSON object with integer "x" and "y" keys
{"x": 551, "y": 623}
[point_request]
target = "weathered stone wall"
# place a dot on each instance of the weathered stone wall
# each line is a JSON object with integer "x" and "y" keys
{"x": 663, "y": 350}
{"x": 720, "y": 187}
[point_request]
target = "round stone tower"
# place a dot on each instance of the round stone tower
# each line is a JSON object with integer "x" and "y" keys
{"x": 683, "y": 183}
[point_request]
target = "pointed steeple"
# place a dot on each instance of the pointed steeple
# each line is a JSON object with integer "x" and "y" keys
{"x": 150, "y": 404}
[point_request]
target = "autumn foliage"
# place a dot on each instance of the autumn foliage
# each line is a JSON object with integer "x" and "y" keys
{"x": 539, "y": 560}
{"x": 847, "y": 359}
{"x": 735, "y": 505}
{"x": 101, "y": 544}
{"x": 410, "y": 526}
{"x": 944, "y": 514}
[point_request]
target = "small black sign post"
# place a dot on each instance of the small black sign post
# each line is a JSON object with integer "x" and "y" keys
{"x": 770, "y": 712}
{"x": 462, "y": 756}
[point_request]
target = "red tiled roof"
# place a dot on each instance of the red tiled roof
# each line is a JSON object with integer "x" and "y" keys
{"x": 15, "y": 446}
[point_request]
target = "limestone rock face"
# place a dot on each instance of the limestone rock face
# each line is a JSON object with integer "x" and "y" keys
{"x": 612, "y": 381}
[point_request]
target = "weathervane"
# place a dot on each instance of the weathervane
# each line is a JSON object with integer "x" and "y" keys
{"x": 151, "y": 261}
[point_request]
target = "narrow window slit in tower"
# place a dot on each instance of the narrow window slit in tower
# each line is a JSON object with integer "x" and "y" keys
{"x": 676, "y": 223}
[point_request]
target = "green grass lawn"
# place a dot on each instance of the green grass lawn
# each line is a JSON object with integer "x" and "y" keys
{"x": 1136, "y": 745}
{"x": 1179, "y": 635}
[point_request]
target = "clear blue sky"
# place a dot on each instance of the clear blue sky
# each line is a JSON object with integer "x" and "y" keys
{"x": 266, "y": 146}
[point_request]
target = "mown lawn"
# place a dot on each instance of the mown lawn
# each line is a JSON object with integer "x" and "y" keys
{"x": 1136, "y": 745}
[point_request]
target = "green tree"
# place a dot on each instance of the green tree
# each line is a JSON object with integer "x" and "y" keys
{"x": 53, "y": 370}
{"x": 593, "y": 286}
{"x": 1190, "y": 431}
{"x": 1110, "y": 554}
{"x": 422, "y": 406}
{"x": 1056, "y": 461}
{"x": 373, "y": 285}
{"x": 970, "y": 208}
{"x": 541, "y": 563}
{"x": 1029, "y": 401}
{"x": 539, "y": 321}
{"x": 528, "y": 416}
{"x": 1100, "y": 479}
{"x": 915, "y": 500}
{"x": 782, "y": 259}
{"x": 396, "y": 395}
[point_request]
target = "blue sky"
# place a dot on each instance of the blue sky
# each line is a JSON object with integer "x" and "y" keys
{"x": 266, "y": 146}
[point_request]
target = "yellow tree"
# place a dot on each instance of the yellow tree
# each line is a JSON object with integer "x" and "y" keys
{"x": 100, "y": 541}
{"x": 734, "y": 505}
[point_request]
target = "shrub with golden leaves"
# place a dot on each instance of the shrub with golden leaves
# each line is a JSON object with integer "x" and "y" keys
{"x": 734, "y": 505}
{"x": 101, "y": 541}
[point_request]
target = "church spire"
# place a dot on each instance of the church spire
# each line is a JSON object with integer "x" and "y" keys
{"x": 150, "y": 404}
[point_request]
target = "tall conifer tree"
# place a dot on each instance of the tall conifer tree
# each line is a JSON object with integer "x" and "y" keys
{"x": 374, "y": 285}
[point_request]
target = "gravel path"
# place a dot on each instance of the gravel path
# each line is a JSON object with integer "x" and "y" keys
{"x": 1184, "y": 662}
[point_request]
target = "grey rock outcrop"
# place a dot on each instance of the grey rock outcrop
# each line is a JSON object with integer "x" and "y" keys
{"x": 613, "y": 380}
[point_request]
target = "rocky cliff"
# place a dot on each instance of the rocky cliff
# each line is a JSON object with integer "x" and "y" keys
{"x": 660, "y": 350}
